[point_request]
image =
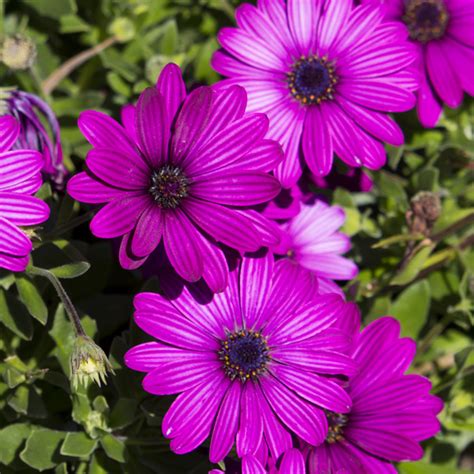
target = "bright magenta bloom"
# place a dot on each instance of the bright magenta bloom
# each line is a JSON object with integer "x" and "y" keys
{"x": 184, "y": 171}
{"x": 257, "y": 362}
{"x": 326, "y": 73}
{"x": 20, "y": 177}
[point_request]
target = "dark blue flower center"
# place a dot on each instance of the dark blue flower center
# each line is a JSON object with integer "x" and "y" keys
{"x": 168, "y": 186}
{"x": 426, "y": 19}
{"x": 245, "y": 355}
{"x": 336, "y": 423}
{"x": 312, "y": 80}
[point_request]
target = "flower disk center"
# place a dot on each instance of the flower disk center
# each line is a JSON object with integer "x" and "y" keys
{"x": 245, "y": 355}
{"x": 168, "y": 186}
{"x": 312, "y": 80}
{"x": 336, "y": 423}
{"x": 426, "y": 19}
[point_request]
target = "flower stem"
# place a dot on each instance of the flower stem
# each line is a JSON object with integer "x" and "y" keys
{"x": 65, "y": 69}
{"x": 63, "y": 296}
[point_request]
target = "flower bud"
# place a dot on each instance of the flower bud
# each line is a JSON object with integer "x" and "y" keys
{"x": 88, "y": 362}
{"x": 18, "y": 52}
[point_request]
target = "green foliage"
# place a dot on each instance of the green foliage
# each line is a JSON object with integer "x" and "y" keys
{"x": 426, "y": 282}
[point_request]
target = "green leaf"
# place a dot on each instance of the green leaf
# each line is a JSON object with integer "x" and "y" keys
{"x": 26, "y": 401}
{"x": 411, "y": 308}
{"x": 123, "y": 413}
{"x": 70, "y": 270}
{"x": 11, "y": 438}
{"x": 413, "y": 267}
{"x": 31, "y": 298}
{"x": 41, "y": 451}
{"x": 78, "y": 445}
{"x": 114, "y": 448}
{"x": 14, "y": 316}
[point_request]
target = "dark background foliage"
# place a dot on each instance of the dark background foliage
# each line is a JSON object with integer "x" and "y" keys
{"x": 425, "y": 281}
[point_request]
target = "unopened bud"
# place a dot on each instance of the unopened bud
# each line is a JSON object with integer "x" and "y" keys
{"x": 88, "y": 362}
{"x": 425, "y": 210}
{"x": 18, "y": 52}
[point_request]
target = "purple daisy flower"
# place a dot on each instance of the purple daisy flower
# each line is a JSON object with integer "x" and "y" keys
{"x": 185, "y": 171}
{"x": 251, "y": 366}
{"x": 391, "y": 412}
{"x": 29, "y": 110}
{"x": 312, "y": 240}
{"x": 326, "y": 73}
{"x": 443, "y": 33}
{"x": 20, "y": 177}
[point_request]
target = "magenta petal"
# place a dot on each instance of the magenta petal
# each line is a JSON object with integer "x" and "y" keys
{"x": 428, "y": 107}
{"x": 318, "y": 390}
{"x": 104, "y": 132}
{"x": 179, "y": 375}
{"x": 292, "y": 462}
{"x": 13, "y": 240}
{"x": 148, "y": 231}
{"x": 18, "y": 166}
{"x": 317, "y": 143}
{"x": 23, "y": 210}
{"x": 126, "y": 258}
{"x": 14, "y": 264}
{"x": 9, "y": 131}
{"x": 250, "y": 432}
{"x": 118, "y": 217}
{"x": 303, "y": 19}
{"x": 191, "y": 121}
{"x": 180, "y": 236}
{"x": 118, "y": 170}
{"x": 333, "y": 21}
{"x": 225, "y": 225}
{"x": 152, "y": 127}
{"x": 127, "y": 116}
{"x": 441, "y": 75}
{"x": 267, "y": 229}
{"x": 227, "y": 424}
{"x": 255, "y": 288}
{"x": 84, "y": 188}
{"x": 245, "y": 188}
{"x": 276, "y": 436}
{"x": 308, "y": 422}
{"x": 172, "y": 89}
{"x": 151, "y": 355}
{"x": 251, "y": 465}
{"x": 215, "y": 271}
{"x": 384, "y": 444}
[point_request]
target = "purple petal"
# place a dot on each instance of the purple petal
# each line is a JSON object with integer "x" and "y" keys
{"x": 172, "y": 89}
{"x": 13, "y": 240}
{"x": 9, "y": 131}
{"x": 333, "y": 20}
{"x": 127, "y": 116}
{"x": 225, "y": 225}
{"x": 303, "y": 18}
{"x": 227, "y": 424}
{"x": 12, "y": 263}
{"x": 104, "y": 132}
{"x": 250, "y": 432}
{"x": 119, "y": 170}
{"x": 148, "y": 231}
{"x": 153, "y": 129}
{"x": 308, "y": 422}
{"x": 216, "y": 270}
{"x": 179, "y": 375}
{"x": 428, "y": 107}
{"x": 118, "y": 217}
{"x": 292, "y": 462}
{"x": 18, "y": 166}
{"x": 126, "y": 258}
{"x": 179, "y": 236}
{"x": 251, "y": 465}
{"x": 84, "y": 188}
{"x": 317, "y": 144}
{"x": 23, "y": 210}
{"x": 245, "y": 188}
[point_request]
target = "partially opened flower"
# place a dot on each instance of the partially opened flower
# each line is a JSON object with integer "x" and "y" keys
{"x": 255, "y": 363}
{"x": 31, "y": 112}
{"x": 391, "y": 412}
{"x": 442, "y": 31}
{"x": 185, "y": 171}
{"x": 312, "y": 239}
{"x": 20, "y": 177}
{"x": 326, "y": 73}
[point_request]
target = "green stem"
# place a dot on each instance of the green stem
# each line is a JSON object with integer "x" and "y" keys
{"x": 2, "y": 19}
{"x": 435, "y": 331}
{"x": 63, "y": 296}
{"x": 70, "y": 225}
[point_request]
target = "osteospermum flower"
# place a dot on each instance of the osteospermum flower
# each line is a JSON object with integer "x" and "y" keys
{"x": 391, "y": 412}
{"x": 20, "y": 177}
{"x": 184, "y": 171}
{"x": 312, "y": 240}
{"x": 31, "y": 112}
{"x": 326, "y": 74}
{"x": 254, "y": 363}
{"x": 442, "y": 31}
